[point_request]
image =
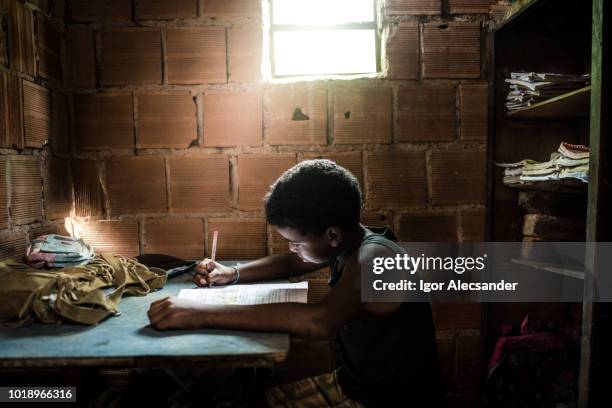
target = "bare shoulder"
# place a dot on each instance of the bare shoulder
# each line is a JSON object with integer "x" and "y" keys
{"x": 364, "y": 260}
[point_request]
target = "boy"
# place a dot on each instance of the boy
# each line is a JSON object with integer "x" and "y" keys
{"x": 388, "y": 350}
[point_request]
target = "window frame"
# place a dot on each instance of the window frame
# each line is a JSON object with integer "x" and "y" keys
{"x": 372, "y": 25}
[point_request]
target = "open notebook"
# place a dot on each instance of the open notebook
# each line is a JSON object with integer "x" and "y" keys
{"x": 250, "y": 294}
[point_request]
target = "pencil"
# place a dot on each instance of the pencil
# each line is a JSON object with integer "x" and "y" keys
{"x": 213, "y": 251}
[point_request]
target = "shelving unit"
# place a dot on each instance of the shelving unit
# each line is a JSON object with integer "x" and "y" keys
{"x": 566, "y": 37}
{"x": 548, "y": 267}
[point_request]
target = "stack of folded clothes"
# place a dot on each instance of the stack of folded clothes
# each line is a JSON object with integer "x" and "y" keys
{"x": 568, "y": 162}
{"x": 57, "y": 251}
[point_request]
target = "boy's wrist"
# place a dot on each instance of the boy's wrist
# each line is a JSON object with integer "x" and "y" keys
{"x": 236, "y": 275}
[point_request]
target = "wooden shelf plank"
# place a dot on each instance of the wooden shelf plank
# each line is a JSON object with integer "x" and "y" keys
{"x": 570, "y": 105}
{"x": 555, "y": 186}
{"x": 548, "y": 267}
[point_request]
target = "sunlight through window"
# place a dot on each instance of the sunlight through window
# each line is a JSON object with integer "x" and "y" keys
{"x": 319, "y": 37}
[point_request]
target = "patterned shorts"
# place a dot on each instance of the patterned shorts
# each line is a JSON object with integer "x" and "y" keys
{"x": 322, "y": 391}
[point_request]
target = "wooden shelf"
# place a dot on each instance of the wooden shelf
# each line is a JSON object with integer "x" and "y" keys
{"x": 571, "y": 105}
{"x": 549, "y": 267}
{"x": 555, "y": 186}
{"x": 513, "y": 11}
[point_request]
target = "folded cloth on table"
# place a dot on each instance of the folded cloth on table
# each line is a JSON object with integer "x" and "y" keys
{"x": 57, "y": 251}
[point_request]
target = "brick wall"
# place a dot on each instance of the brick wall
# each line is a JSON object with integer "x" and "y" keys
{"x": 35, "y": 177}
{"x": 173, "y": 132}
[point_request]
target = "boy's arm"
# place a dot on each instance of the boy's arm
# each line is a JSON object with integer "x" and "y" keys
{"x": 276, "y": 267}
{"x": 314, "y": 321}
{"x": 272, "y": 267}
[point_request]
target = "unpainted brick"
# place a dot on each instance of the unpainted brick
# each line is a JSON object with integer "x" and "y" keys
{"x": 87, "y": 188}
{"x": 232, "y": 8}
{"x": 26, "y": 189}
{"x": 256, "y": 173}
{"x": 296, "y": 116}
{"x": 470, "y": 6}
{"x": 166, "y": 120}
{"x": 11, "y": 111}
{"x": 238, "y": 238}
{"x": 474, "y": 111}
{"x": 349, "y": 160}
{"x": 136, "y": 184}
{"x": 458, "y": 177}
{"x": 3, "y": 42}
{"x": 165, "y": 10}
{"x": 115, "y": 237}
{"x": 245, "y": 53}
{"x": 403, "y": 52}
{"x": 377, "y": 218}
{"x": 427, "y": 112}
{"x": 3, "y": 193}
{"x": 12, "y": 246}
{"x": 82, "y": 64}
{"x": 20, "y": 35}
{"x": 199, "y": 184}
{"x": 232, "y": 119}
{"x": 196, "y": 55}
{"x": 131, "y": 56}
{"x": 183, "y": 238}
{"x": 60, "y": 136}
{"x": 36, "y": 114}
{"x": 362, "y": 116}
{"x": 34, "y": 233}
{"x": 103, "y": 121}
{"x": 428, "y": 227}
{"x": 49, "y": 50}
{"x": 396, "y": 179}
{"x": 473, "y": 226}
{"x": 108, "y": 10}
{"x": 413, "y": 7}
{"x": 451, "y": 50}
{"x": 57, "y": 191}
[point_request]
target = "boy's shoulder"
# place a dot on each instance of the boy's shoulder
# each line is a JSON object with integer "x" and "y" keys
{"x": 378, "y": 245}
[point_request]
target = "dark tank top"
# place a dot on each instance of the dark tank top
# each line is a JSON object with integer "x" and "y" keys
{"x": 389, "y": 360}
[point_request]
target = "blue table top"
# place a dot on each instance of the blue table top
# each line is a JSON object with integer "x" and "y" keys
{"x": 128, "y": 340}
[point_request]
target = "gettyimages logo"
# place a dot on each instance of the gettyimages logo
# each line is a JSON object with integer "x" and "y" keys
{"x": 405, "y": 262}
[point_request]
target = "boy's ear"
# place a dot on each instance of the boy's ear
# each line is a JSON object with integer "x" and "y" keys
{"x": 334, "y": 236}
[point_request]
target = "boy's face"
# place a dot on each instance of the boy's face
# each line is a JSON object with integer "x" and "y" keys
{"x": 310, "y": 247}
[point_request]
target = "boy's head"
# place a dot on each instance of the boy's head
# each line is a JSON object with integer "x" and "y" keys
{"x": 313, "y": 205}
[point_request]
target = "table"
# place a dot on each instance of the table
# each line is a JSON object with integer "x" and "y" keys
{"x": 128, "y": 340}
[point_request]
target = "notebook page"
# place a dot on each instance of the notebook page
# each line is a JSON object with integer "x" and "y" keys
{"x": 253, "y": 294}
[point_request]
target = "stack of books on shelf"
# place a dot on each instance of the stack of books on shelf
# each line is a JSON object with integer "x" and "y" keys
{"x": 568, "y": 162}
{"x": 528, "y": 88}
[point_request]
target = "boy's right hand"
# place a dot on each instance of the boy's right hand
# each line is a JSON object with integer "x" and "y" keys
{"x": 209, "y": 272}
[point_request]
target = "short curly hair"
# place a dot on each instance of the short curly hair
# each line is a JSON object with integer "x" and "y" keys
{"x": 313, "y": 196}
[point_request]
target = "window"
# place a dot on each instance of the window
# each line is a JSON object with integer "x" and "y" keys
{"x": 314, "y": 37}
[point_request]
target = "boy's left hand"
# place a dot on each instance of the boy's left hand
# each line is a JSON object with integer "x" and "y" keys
{"x": 174, "y": 313}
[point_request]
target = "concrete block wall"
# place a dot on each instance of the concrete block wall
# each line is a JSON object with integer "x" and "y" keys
{"x": 35, "y": 179}
{"x": 170, "y": 110}
{"x": 158, "y": 115}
